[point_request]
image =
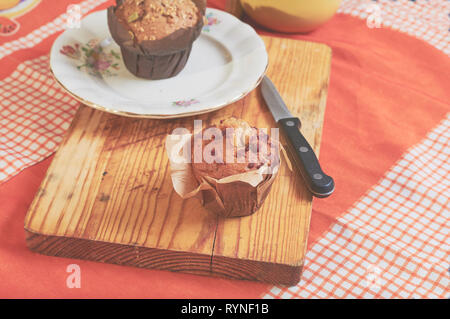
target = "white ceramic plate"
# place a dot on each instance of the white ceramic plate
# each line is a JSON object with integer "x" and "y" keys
{"x": 227, "y": 62}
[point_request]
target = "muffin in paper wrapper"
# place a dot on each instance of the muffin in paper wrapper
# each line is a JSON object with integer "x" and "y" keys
{"x": 232, "y": 196}
{"x": 155, "y": 59}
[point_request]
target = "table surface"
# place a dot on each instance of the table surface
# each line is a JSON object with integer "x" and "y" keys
{"x": 385, "y": 231}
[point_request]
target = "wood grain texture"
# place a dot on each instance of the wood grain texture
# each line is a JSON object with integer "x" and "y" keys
{"x": 108, "y": 197}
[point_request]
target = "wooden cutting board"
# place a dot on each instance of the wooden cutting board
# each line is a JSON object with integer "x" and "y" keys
{"x": 108, "y": 196}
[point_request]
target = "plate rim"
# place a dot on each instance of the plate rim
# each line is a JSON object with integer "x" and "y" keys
{"x": 160, "y": 116}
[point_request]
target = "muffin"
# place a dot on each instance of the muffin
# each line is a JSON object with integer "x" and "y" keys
{"x": 156, "y": 36}
{"x": 240, "y": 182}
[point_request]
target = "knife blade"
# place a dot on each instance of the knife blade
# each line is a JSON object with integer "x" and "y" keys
{"x": 320, "y": 184}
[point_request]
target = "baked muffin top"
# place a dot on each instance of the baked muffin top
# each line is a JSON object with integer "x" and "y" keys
{"x": 247, "y": 155}
{"x": 156, "y": 19}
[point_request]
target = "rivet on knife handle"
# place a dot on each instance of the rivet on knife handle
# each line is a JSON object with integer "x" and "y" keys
{"x": 320, "y": 184}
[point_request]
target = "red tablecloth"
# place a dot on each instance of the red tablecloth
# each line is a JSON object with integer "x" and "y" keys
{"x": 388, "y": 90}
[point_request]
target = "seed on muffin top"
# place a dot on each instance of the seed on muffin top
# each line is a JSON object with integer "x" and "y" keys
{"x": 156, "y": 19}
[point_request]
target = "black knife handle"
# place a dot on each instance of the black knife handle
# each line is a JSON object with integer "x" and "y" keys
{"x": 320, "y": 184}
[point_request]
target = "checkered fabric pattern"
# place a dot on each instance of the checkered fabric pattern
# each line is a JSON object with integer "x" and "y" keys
{"x": 34, "y": 111}
{"x": 37, "y": 36}
{"x": 34, "y": 114}
{"x": 394, "y": 241}
{"x": 423, "y": 19}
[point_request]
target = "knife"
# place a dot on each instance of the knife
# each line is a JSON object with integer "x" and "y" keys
{"x": 320, "y": 184}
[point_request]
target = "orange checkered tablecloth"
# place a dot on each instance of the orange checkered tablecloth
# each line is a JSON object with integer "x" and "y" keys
{"x": 393, "y": 241}
{"x": 35, "y": 114}
{"x": 383, "y": 234}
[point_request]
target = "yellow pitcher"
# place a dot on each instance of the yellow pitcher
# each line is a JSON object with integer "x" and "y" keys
{"x": 290, "y": 16}
{"x": 7, "y": 4}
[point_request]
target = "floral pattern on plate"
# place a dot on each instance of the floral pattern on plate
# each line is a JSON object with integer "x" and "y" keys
{"x": 211, "y": 20}
{"x": 94, "y": 58}
{"x": 185, "y": 102}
